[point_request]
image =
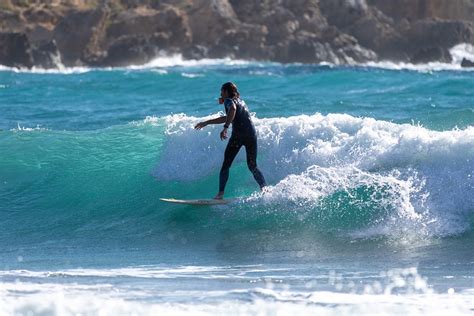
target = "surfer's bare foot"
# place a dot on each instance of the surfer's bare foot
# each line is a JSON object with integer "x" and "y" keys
{"x": 219, "y": 196}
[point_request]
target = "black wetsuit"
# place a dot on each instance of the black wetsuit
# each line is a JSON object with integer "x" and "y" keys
{"x": 243, "y": 134}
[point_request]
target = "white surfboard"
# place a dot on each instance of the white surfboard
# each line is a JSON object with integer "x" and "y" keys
{"x": 199, "y": 201}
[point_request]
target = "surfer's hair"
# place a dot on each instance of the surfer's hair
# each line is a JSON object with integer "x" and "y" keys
{"x": 231, "y": 90}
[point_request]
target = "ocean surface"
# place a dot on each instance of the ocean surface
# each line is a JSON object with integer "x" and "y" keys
{"x": 369, "y": 209}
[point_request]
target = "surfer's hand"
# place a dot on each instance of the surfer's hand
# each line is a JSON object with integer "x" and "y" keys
{"x": 224, "y": 134}
{"x": 200, "y": 125}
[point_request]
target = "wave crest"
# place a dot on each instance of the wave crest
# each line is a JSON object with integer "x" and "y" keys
{"x": 399, "y": 172}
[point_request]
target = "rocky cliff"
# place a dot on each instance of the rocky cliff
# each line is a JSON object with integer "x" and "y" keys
{"x": 123, "y": 32}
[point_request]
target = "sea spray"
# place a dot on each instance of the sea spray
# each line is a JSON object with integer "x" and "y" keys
{"x": 307, "y": 158}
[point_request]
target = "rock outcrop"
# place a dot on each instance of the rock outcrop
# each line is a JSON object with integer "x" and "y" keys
{"x": 466, "y": 63}
{"x": 122, "y": 32}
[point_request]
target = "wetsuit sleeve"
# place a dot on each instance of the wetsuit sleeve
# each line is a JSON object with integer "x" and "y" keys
{"x": 227, "y": 104}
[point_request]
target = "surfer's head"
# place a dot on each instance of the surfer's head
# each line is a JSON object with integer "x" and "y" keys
{"x": 229, "y": 90}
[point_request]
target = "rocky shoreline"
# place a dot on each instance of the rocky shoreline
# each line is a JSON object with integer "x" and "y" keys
{"x": 122, "y": 32}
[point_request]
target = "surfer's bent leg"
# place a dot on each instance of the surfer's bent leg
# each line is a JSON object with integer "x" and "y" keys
{"x": 251, "y": 149}
{"x": 233, "y": 147}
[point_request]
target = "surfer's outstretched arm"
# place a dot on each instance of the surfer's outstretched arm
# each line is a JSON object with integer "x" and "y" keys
{"x": 229, "y": 119}
{"x": 218, "y": 120}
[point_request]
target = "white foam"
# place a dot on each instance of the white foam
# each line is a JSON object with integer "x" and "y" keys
{"x": 191, "y": 75}
{"x": 177, "y": 60}
{"x": 461, "y": 51}
{"x": 160, "y": 63}
{"x": 398, "y": 291}
{"x": 428, "y": 67}
{"x": 20, "y": 128}
{"x": 148, "y": 272}
{"x": 308, "y": 157}
{"x": 457, "y": 52}
{"x": 63, "y": 304}
{"x": 38, "y": 70}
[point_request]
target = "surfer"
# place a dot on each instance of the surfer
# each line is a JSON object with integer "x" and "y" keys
{"x": 243, "y": 134}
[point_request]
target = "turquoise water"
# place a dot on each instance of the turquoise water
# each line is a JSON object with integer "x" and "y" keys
{"x": 371, "y": 194}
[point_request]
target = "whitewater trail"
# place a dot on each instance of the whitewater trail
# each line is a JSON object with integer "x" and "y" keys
{"x": 425, "y": 176}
